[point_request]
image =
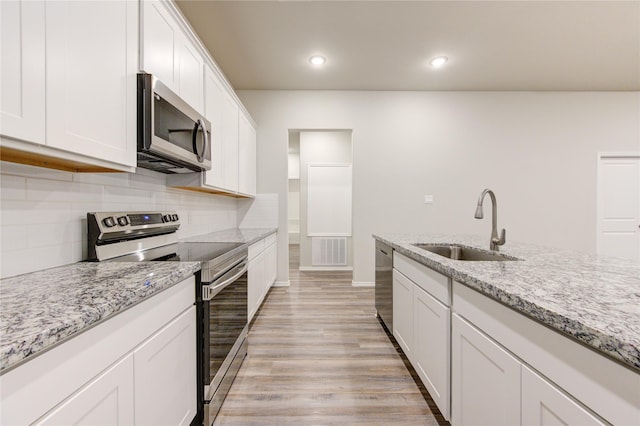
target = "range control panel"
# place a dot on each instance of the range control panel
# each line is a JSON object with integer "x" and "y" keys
{"x": 127, "y": 229}
{"x": 119, "y": 221}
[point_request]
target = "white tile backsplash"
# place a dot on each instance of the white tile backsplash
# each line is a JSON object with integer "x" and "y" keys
{"x": 43, "y": 212}
{"x": 13, "y": 188}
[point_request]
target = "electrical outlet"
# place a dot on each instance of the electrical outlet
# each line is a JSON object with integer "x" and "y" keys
{"x": 428, "y": 199}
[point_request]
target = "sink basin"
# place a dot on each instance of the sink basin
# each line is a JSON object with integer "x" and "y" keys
{"x": 455, "y": 252}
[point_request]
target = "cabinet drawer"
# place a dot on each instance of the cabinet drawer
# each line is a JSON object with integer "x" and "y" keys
{"x": 256, "y": 248}
{"x": 429, "y": 280}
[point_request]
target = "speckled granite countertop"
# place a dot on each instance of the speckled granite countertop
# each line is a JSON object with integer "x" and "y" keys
{"x": 595, "y": 300}
{"x": 44, "y": 308}
{"x": 233, "y": 235}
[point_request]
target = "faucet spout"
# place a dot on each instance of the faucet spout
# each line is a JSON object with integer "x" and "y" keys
{"x": 495, "y": 241}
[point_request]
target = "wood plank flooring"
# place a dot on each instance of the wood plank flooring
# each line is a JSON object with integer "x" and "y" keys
{"x": 319, "y": 356}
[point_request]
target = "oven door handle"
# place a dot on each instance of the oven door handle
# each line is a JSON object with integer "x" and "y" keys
{"x": 209, "y": 291}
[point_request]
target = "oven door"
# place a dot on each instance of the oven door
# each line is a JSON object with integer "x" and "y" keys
{"x": 225, "y": 331}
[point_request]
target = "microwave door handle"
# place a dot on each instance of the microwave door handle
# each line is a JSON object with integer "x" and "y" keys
{"x": 208, "y": 291}
{"x": 200, "y": 155}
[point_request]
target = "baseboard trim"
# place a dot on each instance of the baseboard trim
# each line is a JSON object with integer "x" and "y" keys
{"x": 325, "y": 268}
{"x": 282, "y": 284}
{"x": 362, "y": 284}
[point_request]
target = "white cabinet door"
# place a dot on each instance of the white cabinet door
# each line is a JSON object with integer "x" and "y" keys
{"x": 403, "y": 313}
{"x": 213, "y": 106}
{"x": 159, "y": 40}
{"x": 165, "y": 374}
{"x": 191, "y": 74}
{"x": 544, "y": 404}
{"x": 485, "y": 379}
{"x": 255, "y": 291}
{"x": 230, "y": 140}
{"x": 271, "y": 265}
{"x": 431, "y": 346}
{"x": 22, "y": 34}
{"x": 106, "y": 400}
{"x": 247, "y": 157}
{"x": 91, "y": 55}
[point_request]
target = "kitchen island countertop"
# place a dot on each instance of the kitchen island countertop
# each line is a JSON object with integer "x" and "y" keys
{"x": 594, "y": 300}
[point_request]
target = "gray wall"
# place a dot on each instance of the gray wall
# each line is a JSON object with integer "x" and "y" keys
{"x": 536, "y": 150}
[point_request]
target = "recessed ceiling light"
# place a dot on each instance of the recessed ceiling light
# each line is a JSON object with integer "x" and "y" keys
{"x": 317, "y": 60}
{"x": 438, "y": 61}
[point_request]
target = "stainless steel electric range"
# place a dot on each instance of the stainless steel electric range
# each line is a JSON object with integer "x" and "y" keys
{"x": 221, "y": 290}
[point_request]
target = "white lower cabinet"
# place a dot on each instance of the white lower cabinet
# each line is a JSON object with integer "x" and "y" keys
{"x": 421, "y": 325}
{"x": 485, "y": 379}
{"x": 263, "y": 258}
{"x": 138, "y": 367}
{"x": 165, "y": 373}
{"x": 431, "y": 322}
{"x": 270, "y": 265}
{"x": 256, "y": 284}
{"x": 106, "y": 400}
{"x": 403, "y": 313}
{"x": 545, "y": 404}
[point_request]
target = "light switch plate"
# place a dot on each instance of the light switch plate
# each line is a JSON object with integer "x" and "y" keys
{"x": 428, "y": 199}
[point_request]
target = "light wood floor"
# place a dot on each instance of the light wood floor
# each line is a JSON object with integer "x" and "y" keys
{"x": 319, "y": 356}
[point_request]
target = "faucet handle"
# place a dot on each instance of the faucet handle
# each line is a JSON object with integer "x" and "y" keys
{"x": 503, "y": 237}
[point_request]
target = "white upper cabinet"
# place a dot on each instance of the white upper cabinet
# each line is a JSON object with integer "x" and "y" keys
{"x": 190, "y": 74}
{"x": 230, "y": 141}
{"x": 69, "y": 83}
{"x": 222, "y": 111}
{"x": 159, "y": 39}
{"x": 23, "y": 70}
{"x": 167, "y": 53}
{"x": 213, "y": 102}
{"x": 246, "y": 156}
{"x": 91, "y": 53}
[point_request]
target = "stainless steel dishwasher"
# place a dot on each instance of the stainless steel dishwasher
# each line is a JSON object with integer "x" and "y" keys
{"x": 384, "y": 284}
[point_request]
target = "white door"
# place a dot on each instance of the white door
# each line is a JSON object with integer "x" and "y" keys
{"x": 165, "y": 374}
{"x": 403, "y": 313}
{"x": 544, "y": 404}
{"x": 485, "y": 379}
{"x": 431, "y": 346}
{"x": 159, "y": 41}
{"x": 92, "y": 61}
{"x": 230, "y": 135}
{"x": 106, "y": 400}
{"x": 191, "y": 74}
{"x": 213, "y": 105}
{"x": 619, "y": 206}
{"x": 23, "y": 70}
{"x": 246, "y": 156}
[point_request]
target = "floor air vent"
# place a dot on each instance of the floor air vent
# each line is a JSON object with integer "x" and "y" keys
{"x": 329, "y": 251}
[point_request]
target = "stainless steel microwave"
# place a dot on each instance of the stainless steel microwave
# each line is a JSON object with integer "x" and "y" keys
{"x": 172, "y": 136}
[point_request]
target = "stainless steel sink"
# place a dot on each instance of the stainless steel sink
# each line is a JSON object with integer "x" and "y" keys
{"x": 456, "y": 252}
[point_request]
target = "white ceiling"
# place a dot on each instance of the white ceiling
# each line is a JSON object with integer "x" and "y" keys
{"x": 386, "y": 45}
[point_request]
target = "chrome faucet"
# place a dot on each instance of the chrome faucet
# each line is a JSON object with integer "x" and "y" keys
{"x": 495, "y": 241}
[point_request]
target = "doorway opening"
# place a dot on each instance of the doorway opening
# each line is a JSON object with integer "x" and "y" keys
{"x": 319, "y": 203}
